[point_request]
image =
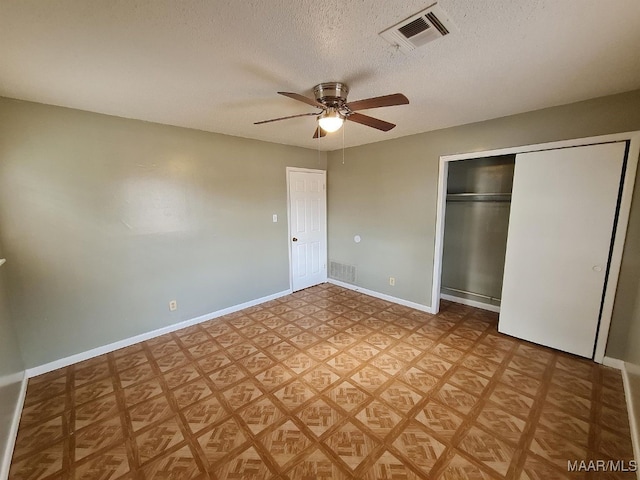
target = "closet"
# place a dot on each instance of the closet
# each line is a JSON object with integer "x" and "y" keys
{"x": 537, "y": 233}
{"x": 475, "y": 233}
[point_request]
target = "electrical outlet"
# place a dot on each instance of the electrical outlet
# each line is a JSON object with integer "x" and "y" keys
{"x": 173, "y": 305}
{"x": 392, "y": 281}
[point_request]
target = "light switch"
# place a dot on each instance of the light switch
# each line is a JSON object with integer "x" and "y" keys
{"x": 275, "y": 218}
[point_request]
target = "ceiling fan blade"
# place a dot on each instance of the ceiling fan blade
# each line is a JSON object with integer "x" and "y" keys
{"x": 371, "y": 122}
{"x": 319, "y": 133}
{"x": 302, "y": 98}
{"x": 284, "y": 118}
{"x": 375, "y": 102}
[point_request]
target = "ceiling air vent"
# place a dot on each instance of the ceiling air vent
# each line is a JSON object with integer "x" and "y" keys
{"x": 419, "y": 29}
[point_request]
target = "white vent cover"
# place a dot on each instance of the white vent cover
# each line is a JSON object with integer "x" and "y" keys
{"x": 419, "y": 29}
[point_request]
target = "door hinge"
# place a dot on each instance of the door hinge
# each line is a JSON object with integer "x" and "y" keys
{"x": 324, "y": 187}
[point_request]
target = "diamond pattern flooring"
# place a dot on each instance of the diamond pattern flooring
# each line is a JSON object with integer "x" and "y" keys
{"x": 325, "y": 384}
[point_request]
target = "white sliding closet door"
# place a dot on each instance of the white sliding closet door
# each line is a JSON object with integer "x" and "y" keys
{"x": 563, "y": 208}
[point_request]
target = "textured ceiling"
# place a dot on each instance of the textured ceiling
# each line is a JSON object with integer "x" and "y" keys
{"x": 216, "y": 65}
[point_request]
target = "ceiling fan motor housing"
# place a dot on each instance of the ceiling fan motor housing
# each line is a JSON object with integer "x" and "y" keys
{"x": 331, "y": 94}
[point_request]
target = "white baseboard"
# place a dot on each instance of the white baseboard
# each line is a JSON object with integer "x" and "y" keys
{"x": 13, "y": 430}
{"x": 382, "y": 296}
{"x": 613, "y": 363}
{"x": 471, "y": 303}
{"x": 629, "y": 369}
{"x": 95, "y": 352}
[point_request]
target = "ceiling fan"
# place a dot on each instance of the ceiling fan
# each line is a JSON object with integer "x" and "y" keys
{"x": 331, "y": 99}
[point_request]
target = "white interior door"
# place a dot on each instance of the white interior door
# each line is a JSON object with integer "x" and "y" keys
{"x": 307, "y": 228}
{"x": 560, "y": 231}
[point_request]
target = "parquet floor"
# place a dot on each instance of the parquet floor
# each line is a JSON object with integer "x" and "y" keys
{"x": 325, "y": 384}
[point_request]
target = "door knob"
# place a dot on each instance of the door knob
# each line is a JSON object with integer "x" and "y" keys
{"x": 295, "y": 239}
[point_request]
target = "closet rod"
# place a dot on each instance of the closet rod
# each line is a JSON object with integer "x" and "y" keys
{"x": 495, "y": 194}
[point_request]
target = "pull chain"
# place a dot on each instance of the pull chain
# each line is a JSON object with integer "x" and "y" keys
{"x": 318, "y": 143}
{"x": 344, "y": 126}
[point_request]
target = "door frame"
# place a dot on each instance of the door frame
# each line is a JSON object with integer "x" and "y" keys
{"x": 289, "y": 170}
{"x": 621, "y": 230}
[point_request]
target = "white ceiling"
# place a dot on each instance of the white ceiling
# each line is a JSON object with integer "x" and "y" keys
{"x": 216, "y": 65}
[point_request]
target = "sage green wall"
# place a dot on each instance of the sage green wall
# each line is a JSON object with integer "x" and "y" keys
{"x": 386, "y": 192}
{"x": 11, "y": 369}
{"x": 104, "y": 220}
{"x": 625, "y": 343}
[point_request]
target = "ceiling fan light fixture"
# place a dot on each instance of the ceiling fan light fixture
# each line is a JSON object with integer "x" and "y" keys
{"x": 331, "y": 120}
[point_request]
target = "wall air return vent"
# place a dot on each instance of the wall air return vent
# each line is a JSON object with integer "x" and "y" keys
{"x": 419, "y": 29}
{"x": 342, "y": 272}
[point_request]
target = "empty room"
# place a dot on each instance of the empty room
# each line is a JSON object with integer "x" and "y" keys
{"x": 319, "y": 240}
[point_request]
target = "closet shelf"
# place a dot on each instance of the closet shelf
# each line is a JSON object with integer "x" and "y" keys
{"x": 478, "y": 197}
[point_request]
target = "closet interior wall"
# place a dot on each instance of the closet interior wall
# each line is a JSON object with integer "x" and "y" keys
{"x": 475, "y": 232}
